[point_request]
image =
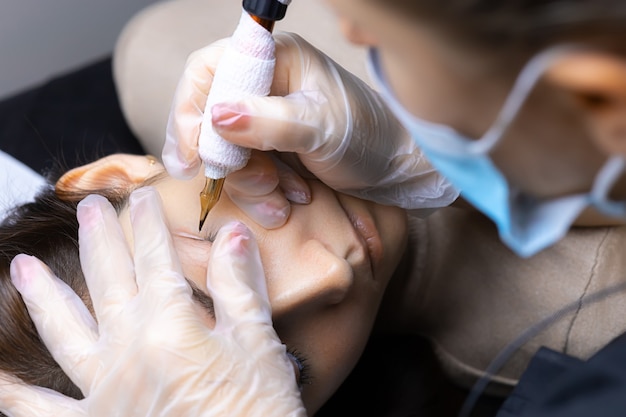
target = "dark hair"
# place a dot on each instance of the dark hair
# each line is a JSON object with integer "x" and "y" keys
{"x": 529, "y": 25}
{"x": 46, "y": 228}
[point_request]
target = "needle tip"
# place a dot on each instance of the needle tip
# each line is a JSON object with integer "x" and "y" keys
{"x": 202, "y": 220}
{"x": 209, "y": 197}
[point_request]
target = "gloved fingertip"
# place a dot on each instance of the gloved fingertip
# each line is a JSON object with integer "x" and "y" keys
{"x": 143, "y": 192}
{"x": 89, "y": 210}
{"x": 298, "y": 196}
{"x": 147, "y": 197}
{"x": 92, "y": 200}
{"x": 235, "y": 273}
{"x": 183, "y": 173}
{"x": 229, "y": 116}
{"x": 23, "y": 269}
{"x": 175, "y": 164}
{"x": 234, "y": 239}
{"x": 294, "y": 187}
{"x": 268, "y": 215}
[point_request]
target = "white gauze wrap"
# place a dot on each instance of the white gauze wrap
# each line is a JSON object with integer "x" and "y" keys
{"x": 245, "y": 69}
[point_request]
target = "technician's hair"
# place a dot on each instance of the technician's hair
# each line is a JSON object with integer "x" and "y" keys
{"x": 527, "y": 24}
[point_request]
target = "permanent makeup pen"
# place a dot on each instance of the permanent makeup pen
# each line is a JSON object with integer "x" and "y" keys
{"x": 245, "y": 69}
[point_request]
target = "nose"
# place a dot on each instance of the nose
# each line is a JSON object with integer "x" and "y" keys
{"x": 317, "y": 279}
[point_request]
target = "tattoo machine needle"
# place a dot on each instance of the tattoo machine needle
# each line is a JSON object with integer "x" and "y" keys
{"x": 245, "y": 69}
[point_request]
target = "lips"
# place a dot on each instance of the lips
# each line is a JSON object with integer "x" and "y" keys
{"x": 365, "y": 227}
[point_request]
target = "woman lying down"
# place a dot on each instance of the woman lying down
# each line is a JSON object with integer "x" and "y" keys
{"x": 338, "y": 268}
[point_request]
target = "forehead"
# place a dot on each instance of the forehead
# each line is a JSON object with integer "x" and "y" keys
{"x": 181, "y": 203}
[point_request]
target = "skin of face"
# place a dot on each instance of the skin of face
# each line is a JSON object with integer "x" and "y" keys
{"x": 554, "y": 146}
{"x": 325, "y": 279}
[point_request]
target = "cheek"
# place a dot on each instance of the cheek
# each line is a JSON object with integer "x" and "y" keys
{"x": 392, "y": 224}
{"x": 332, "y": 341}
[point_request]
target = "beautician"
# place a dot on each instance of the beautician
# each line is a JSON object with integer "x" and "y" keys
{"x": 521, "y": 106}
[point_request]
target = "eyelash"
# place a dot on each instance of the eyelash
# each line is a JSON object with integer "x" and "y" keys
{"x": 304, "y": 376}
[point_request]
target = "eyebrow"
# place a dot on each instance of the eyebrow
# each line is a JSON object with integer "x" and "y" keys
{"x": 201, "y": 298}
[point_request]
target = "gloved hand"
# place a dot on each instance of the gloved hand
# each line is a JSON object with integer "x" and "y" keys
{"x": 340, "y": 129}
{"x": 149, "y": 351}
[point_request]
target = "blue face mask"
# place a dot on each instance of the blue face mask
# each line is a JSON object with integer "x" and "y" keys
{"x": 526, "y": 224}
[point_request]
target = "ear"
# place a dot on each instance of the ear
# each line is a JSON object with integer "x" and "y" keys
{"x": 118, "y": 171}
{"x": 597, "y": 81}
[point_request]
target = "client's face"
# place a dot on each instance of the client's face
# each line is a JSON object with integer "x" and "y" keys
{"x": 326, "y": 269}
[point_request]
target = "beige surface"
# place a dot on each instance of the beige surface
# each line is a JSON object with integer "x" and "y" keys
{"x": 475, "y": 296}
{"x": 152, "y": 49}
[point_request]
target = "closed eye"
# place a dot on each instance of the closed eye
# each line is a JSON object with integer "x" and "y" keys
{"x": 300, "y": 363}
{"x": 202, "y": 298}
{"x": 211, "y": 236}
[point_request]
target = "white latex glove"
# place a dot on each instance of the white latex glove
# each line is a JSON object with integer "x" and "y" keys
{"x": 149, "y": 351}
{"x": 339, "y": 127}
